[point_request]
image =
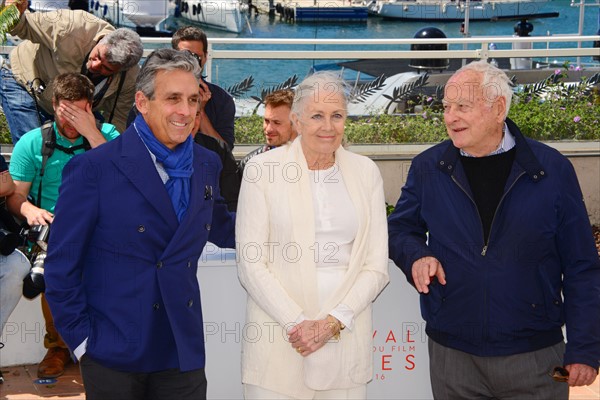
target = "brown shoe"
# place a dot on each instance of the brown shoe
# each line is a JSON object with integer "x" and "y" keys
{"x": 53, "y": 364}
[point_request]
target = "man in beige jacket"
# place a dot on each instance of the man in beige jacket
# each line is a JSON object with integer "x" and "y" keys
{"x": 67, "y": 41}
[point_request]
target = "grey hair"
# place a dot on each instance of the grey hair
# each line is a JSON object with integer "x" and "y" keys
{"x": 123, "y": 47}
{"x": 328, "y": 82}
{"x": 492, "y": 77}
{"x": 164, "y": 60}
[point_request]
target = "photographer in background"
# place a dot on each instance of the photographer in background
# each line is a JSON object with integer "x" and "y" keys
{"x": 218, "y": 109}
{"x": 14, "y": 266}
{"x": 216, "y": 115}
{"x": 61, "y": 41}
{"x": 36, "y": 166}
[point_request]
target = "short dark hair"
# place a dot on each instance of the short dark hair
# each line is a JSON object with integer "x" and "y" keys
{"x": 189, "y": 34}
{"x": 283, "y": 97}
{"x": 72, "y": 86}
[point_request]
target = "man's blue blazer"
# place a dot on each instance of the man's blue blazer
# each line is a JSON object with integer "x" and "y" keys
{"x": 121, "y": 269}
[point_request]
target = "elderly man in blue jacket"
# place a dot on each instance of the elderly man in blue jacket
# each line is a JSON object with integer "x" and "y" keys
{"x": 130, "y": 224}
{"x": 492, "y": 230}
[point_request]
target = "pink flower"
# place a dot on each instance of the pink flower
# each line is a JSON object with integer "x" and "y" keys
{"x": 577, "y": 119}
{"x": 424, "y": 115}
{"x": 557, "y": 72}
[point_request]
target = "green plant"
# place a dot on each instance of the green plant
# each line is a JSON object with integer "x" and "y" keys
{"x": 422, "y": 128}
{"x": 389, "y": 208}
{"x": 554, "y": 110}
{"x": 9, "y": 18}
{"x": 546, "y": 110}
{"x": 4, "y": 131}
{"x": 249, "y": 129}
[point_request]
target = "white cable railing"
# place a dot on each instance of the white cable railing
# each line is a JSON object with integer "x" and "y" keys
{"x": 387, "y": 48}
{"x": 217, "y": 50}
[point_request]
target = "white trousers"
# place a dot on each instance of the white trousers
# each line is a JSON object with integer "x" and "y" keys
{"x": 253, "y": 392}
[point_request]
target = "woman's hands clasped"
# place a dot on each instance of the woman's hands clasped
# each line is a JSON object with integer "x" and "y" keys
{"x": 310, "y": 335}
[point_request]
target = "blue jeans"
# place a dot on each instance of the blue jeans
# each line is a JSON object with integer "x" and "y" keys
{"x": 18, "y": 106}
{"x": 13, "y": 268}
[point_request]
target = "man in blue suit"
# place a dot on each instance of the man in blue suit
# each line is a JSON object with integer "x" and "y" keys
{"x": 130, "y": 224}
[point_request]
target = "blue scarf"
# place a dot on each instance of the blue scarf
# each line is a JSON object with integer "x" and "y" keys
{"x": 177, "y": 164}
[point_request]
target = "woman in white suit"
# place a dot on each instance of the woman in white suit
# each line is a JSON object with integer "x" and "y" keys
{"x": 312, "y": 255}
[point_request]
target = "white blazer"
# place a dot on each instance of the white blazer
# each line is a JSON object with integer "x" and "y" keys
{"x": 275, "y": 234}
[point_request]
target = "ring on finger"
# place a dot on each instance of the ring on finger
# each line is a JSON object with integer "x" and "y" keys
{"x": 299, "y": 350}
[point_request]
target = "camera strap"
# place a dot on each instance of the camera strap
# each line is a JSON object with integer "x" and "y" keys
{"x": 119, "y": 88}
{"x": 98, "y": 96}
{"x": 34, "y": 92}
{"x": 48, "y": 146}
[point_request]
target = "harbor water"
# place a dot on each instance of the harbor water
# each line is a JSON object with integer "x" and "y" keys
{"x": 272, "y": 72}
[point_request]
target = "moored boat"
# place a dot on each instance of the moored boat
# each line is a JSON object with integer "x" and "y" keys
{"x": 322, "y": 11}
{"x": 226, "y": 15}
{"x": 451, "y": 10}
{"x": 148, "y": 17}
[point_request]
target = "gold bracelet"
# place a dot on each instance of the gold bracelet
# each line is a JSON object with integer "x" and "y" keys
{"x": 333, "y": 321}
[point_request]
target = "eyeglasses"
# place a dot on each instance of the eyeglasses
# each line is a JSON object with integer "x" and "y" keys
{"x": 196, "y": 56}
{"x": 559, "y": 374}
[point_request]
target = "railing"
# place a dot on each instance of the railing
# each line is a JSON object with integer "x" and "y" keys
{"x": 389, "y": 48}
{"x": 482, "y": 51}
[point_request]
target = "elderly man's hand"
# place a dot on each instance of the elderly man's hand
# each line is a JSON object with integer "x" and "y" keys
{"x": 423, "y": 270}
{"x": 21, "y": 4}
{"x": 581, "y": 374}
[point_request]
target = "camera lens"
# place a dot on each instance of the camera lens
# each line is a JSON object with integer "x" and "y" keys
{"x": 34, "y": 282}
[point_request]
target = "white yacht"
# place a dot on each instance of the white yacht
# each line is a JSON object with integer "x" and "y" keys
{"x": 148, "y": 17}
{"x": 228, "y": 15}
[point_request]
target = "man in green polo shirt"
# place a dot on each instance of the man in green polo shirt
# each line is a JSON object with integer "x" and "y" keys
{"x": 75, "y": 131}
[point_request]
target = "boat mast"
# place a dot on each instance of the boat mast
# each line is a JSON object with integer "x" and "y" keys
{"x": 582, "y": 5}
{"x": 465, "y": 30}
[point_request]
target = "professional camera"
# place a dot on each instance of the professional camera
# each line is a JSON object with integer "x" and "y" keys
{"x": 8, "y": 241}
{"x": 9, "y": 237}
{"x": 34, "y": 283}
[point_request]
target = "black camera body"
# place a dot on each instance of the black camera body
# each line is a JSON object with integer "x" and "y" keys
{"x": 8, "y": 241}
{"x": 38, "y": 234}
{"x": 34, "y": 283}
{"x": 9, "y": 232}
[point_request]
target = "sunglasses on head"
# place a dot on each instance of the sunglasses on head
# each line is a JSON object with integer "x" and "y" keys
{"x": 559, "y": 374}
{"x": 196, "y": 56}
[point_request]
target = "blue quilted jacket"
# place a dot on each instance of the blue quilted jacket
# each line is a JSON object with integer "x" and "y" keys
{"x": 538, "y": 271}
